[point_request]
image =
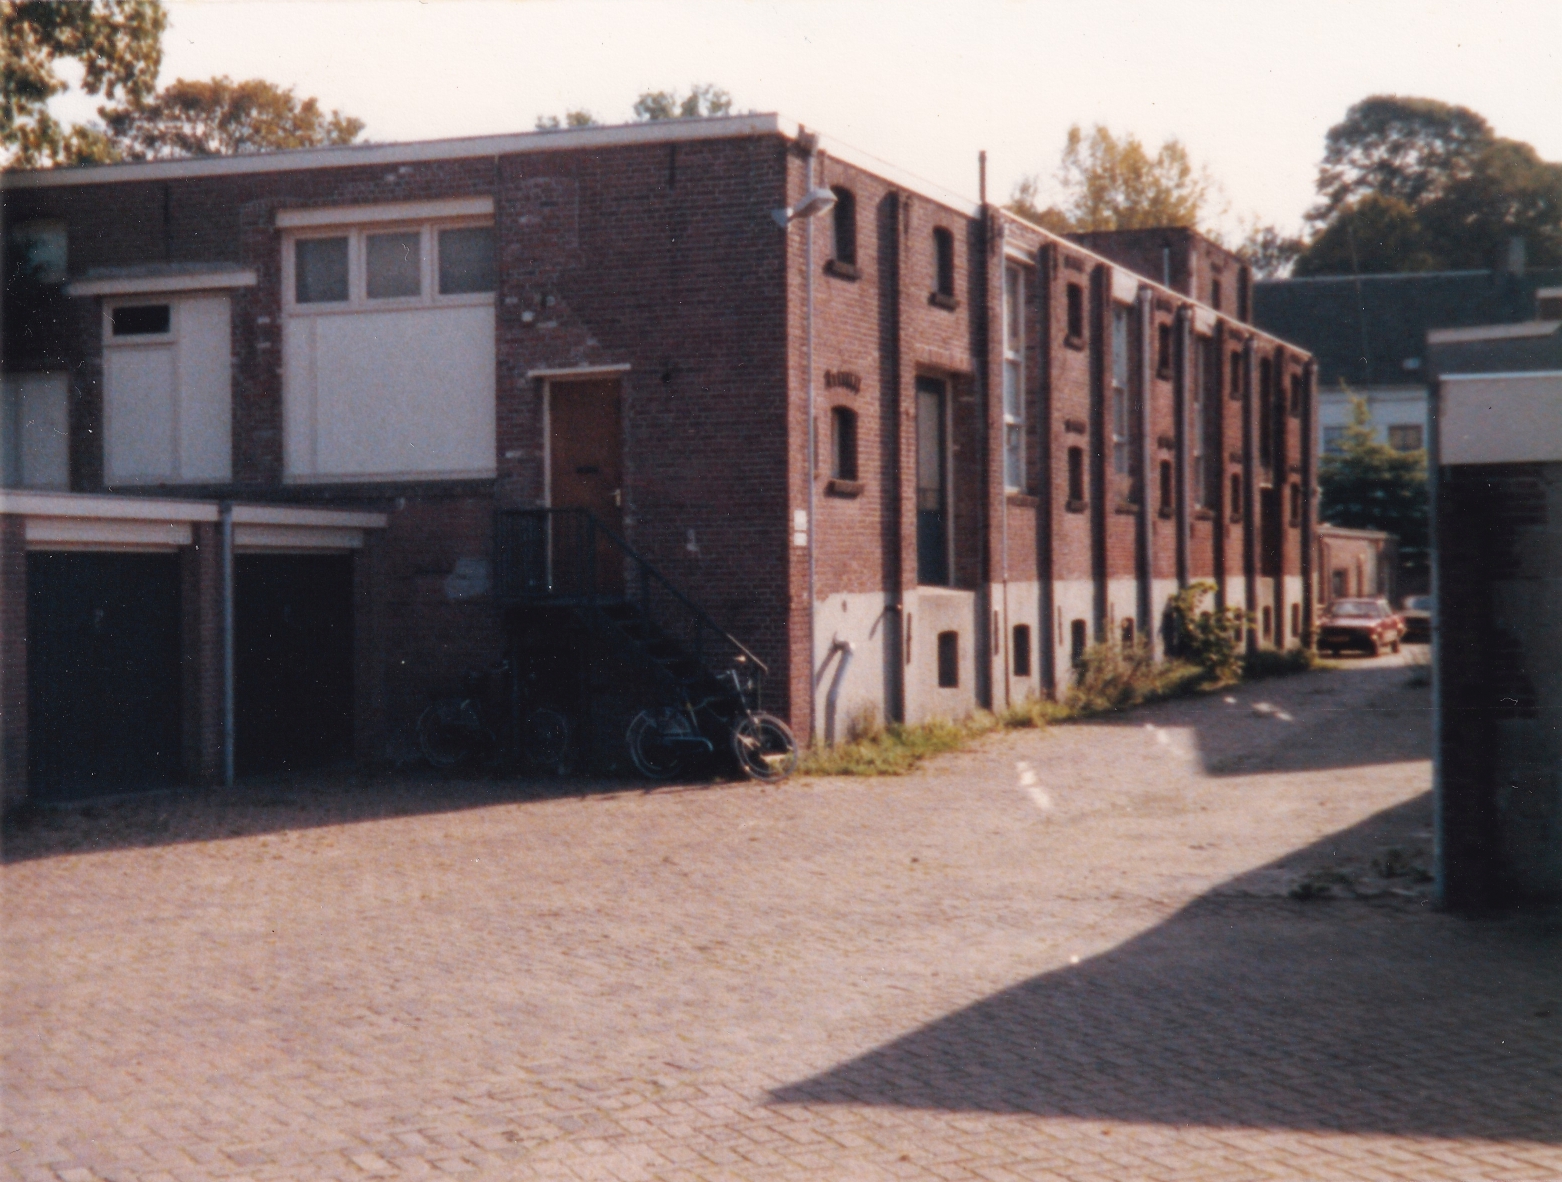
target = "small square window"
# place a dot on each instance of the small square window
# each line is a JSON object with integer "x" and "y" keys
{"x": 394, "y": 265}
{"x": 466, "y": 261}
{"x": 949, "y": 660}
{"x": 320, "y": 270}
{"x": 1406, "y": 437}
{"x": 141, "y": 320}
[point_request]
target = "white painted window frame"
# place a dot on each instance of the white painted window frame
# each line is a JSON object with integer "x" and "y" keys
{"x": 357, "y": 235}
{"x": 1014, "y": 362}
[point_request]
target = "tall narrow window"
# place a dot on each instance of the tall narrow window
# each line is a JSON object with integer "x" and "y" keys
{"x": 1198, "y": 424}
{"x": 1013, "y": 379}
{"x": 1236, "y": 374}
{"x": 1122, "y": 450}
{"x": 1163, "y": 351}
{"x": 1266, "y": 420}
{"x": 1236, "y": 497}
{"x": 844, "y": 216}
{"x": 1214, "y": 294}
{"x": 1076, "y": 313}
{"x": 1076, "y": 478}
{"x": 1298, "y": 386}
{"x": 932, "y": 484}
{"x": 1128, "y": 632}
{"x": 843, "y": 443}
{"x": 1166, "y": 488}
{"x": 944, "y": 261}
{"x": 1296, "y": 505}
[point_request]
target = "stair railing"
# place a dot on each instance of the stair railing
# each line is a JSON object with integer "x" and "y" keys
{"x": 568, "y": 555}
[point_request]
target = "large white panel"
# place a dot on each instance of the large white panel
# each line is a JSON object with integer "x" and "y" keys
{"x": 205, "y": 389}
{"x": 139, "y": 402}
{"x": 1501, "y": 418}
{"x": 35, "y": 431}
{"x": 376, "y": 394}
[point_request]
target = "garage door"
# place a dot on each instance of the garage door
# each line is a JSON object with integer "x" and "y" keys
{"x": 293, "y": 650}
{"x": 103, "y": 674}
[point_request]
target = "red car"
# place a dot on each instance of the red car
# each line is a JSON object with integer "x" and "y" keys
{"x": 1369, "y": 624}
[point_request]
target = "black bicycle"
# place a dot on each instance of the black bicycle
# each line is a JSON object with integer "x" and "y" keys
{"x": 456, "y": 731}
{"x": 665, "y": 741}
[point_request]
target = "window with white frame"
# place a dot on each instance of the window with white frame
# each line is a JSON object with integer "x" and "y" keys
{"x": 1122, "y": 452}
{"x": 1013, "y": 378}
{"x": 388, "y": 342}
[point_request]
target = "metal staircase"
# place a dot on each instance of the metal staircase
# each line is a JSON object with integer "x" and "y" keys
{"x": 566, "y": 563}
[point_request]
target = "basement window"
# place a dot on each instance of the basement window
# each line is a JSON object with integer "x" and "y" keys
{"x": 949, "y": 660}
{"x": 1078, "y": 642}
{"x": 1022, "y": 650}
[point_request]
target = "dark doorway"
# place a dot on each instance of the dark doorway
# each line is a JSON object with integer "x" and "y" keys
{"x": 1269, "y": 532}
{"x": 293, "y": 660}
{"x": 932, "y": 483}
{"x": 103, "y": 678}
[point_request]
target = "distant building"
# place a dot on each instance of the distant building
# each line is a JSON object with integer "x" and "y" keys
{"x": 1368, "y": 334}
{"x": 1356, "y": 562}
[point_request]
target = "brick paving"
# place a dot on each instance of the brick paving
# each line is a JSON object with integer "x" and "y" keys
{"x": 1061, "y": 955}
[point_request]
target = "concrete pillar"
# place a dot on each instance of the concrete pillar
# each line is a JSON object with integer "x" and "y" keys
{"x": 13, "y": 660}
{"x": 201, "y": 608}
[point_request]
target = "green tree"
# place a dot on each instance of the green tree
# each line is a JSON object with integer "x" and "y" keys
{"x": 1111, "y": 182}
{"x": 704, "y": 98}
{"x": 117, "y": 43}
{"x": 1369, "y": 485}
{"x": 222, "y": 117}
{"x": 1413, "y": 184}
{"x": 572, "y": 118}
{"x": 1270, "y": 251}
{"x": 1025, "y": 200}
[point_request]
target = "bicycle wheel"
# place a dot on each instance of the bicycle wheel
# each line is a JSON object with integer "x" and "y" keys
{"x": 764, "y": 746}
{"x": 449, "y": 732}
{"x": 545, "y": 737}
{"x": 654, "y": 745}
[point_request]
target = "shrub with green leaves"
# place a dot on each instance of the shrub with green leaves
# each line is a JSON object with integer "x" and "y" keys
{"x": 1209, "y": 638}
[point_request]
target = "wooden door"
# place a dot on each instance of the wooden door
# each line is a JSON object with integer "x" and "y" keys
{"x": 586, "y": 465}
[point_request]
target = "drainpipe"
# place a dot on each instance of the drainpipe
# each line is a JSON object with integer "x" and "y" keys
{"x": 813, "y": 438}
{"x": 225, "y": 553}
{"x": 844, "y": 647}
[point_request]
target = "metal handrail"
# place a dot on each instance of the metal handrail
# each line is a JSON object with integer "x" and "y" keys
{"x": 513, "y": 581}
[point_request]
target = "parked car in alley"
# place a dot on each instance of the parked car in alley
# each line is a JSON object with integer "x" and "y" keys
{"x": 1369, "y": 625}
{"x": 1417, "y": 614}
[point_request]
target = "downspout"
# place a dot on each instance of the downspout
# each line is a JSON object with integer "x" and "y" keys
{"x": 225, "y": 556}
{"x": 813, "y": 435}
{"x": 1309, "y": 444}
{"x": 1046, "y": 650}
{"x": 1180, "y": 487}
{"x": 1145, "y": 597}
{"x": 1249, "y": 501}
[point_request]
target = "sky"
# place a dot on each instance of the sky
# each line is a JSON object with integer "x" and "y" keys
{"x": 1250, "y": 88}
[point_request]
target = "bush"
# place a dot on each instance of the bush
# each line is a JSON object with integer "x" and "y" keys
{"x": 1268, "y": 662}
{"x": 1210, "y": 639}
{"x": 1110, "y": 677}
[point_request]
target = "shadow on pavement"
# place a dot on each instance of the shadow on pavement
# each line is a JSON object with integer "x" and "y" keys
{"x": 270, "y": 805}
{"x": 1355, "y": 716}
{"x": 1348, "y": 1015}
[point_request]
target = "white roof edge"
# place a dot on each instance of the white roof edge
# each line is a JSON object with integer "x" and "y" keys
{"x": 355, "y": 155}
{"x": 1492, "y": 332}
{"x": 1202, "y": 309}
{"x": 900, "y": 177}
{"x": 149, "y": 284}
{"x": 30, "y": 503}
{"x": 1506, "y": 375}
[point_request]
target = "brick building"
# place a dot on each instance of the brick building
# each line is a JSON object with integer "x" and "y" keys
{"x": 1019, "y": 448}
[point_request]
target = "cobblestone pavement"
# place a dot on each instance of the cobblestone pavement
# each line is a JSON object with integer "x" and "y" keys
{"x": 1062, "y": 955}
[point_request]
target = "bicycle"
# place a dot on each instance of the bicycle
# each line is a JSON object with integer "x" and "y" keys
{"x": 454, "y": 731}
{"x": 666, "y": 740}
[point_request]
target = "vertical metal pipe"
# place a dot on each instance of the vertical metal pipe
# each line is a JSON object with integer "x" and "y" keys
{"x": 813, "y": 434}
{"x": 229, "y": 722}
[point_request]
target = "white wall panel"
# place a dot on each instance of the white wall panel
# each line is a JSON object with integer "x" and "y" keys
{"x": 139, "y": 401}
{"x": 386, "y": 394}
{"x": 35, "y": 431}
{"x": 205, "y": 389}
